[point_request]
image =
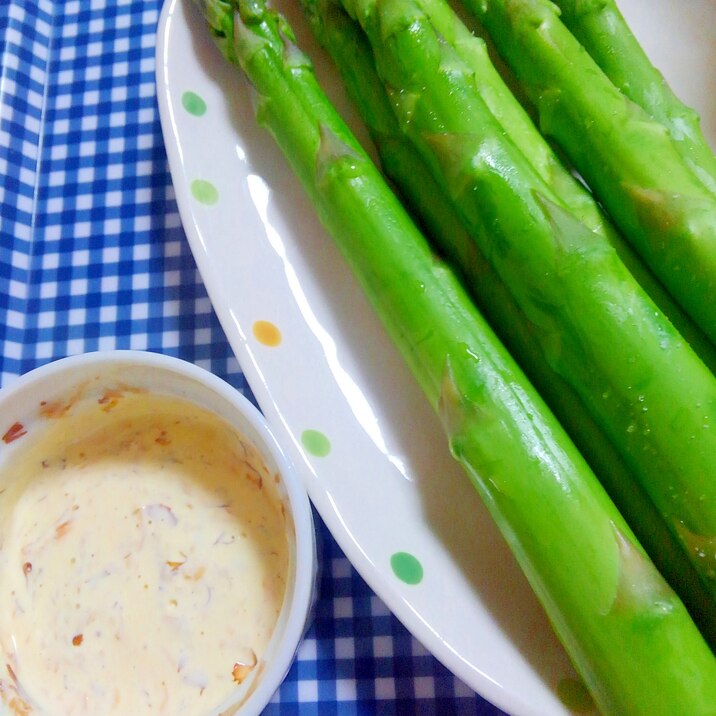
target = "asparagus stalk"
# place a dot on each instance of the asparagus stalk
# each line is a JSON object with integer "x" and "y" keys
{"x": 519, "y": 126}
{"x": 626, "y": 157}
{"x": 605, "y": 34}
{"x": 596, "y": 327}
{"x": 427, "y": 200}
{"x": 606, "y": 599}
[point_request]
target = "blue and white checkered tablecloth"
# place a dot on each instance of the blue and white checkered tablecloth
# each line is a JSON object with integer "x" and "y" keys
{"x": 93, "y": 256}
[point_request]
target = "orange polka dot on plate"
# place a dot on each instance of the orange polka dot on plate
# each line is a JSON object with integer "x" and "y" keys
{"x": 267, "y": 333}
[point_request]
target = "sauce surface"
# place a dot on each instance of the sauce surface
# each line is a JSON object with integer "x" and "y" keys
{"x": 143, "y": 561}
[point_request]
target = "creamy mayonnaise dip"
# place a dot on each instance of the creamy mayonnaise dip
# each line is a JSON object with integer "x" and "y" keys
{"x": 144, "y": 553}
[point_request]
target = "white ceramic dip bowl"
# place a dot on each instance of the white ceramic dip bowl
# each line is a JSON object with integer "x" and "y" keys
{"x": 157, "y": 550}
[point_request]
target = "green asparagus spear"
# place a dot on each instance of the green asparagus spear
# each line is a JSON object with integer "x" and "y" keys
{"x": 351, "y": 53}
{"x": 596, "y": 327}
{"x": 622, "y": 625}
{"x": 519, "y": 126}
{"x": 627, "y": 158}
{"x": 603, "y": 31}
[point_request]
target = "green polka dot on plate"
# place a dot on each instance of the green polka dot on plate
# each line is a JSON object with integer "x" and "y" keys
{"x": 574, "y": 695}
{"x": 204, "y": 192}
{"x": 316, "y": 443}
{"x": 406, "y": 567}
{"x": 193, "y": 103}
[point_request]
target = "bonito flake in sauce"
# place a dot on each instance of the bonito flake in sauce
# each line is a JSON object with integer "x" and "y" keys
{"x": 143, "y": 561}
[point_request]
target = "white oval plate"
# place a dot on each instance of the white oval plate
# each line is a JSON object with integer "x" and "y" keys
{"x": 385, "y": 483}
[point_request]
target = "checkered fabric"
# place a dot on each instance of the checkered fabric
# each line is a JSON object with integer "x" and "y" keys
{"x": 93, "y": 256}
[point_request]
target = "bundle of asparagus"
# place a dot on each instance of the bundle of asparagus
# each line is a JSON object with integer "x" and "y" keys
{"x": 594, "y": 324}
{"x": 428, "y": 201}
{"x": 624, "y": 628}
